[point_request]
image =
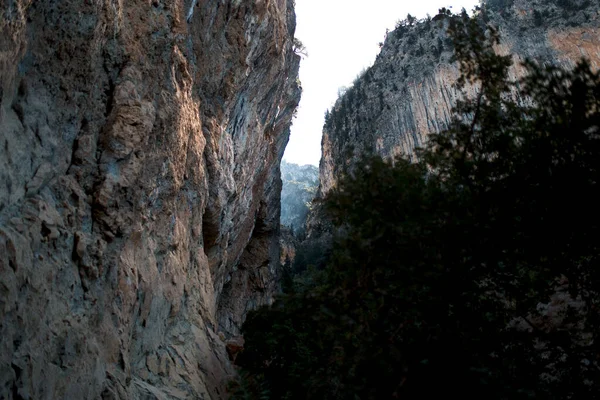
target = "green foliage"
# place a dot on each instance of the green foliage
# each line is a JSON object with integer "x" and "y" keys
{"x": 573, "y": 5}
{"x": 310, "y": 254}
{"x": 499, "y": 5}
{"x": 248, "y": 387}
{"x": 538, "y": 18}
{"x": 437, "y": 276}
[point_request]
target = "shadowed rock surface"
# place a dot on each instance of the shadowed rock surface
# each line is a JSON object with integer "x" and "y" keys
{"x": 140, "y": 144}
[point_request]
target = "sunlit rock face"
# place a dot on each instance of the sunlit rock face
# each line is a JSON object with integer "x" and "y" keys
{"x": 140, "y": 144}
{"x": 408, "y": 93}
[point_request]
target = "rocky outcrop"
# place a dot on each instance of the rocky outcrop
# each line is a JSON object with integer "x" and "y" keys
{"x": 408, "y": 93}
{"x": 140, "y": 144}
{"x": 300, "y": 184}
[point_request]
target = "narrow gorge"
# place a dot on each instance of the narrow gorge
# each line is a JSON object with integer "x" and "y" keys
{"x": 141, "y": 220}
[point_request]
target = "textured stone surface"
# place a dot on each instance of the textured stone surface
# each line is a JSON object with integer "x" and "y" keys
{"x": 139, "y": 190}
{"x": 287, "y": 247}
{"x": 408, "y": 93}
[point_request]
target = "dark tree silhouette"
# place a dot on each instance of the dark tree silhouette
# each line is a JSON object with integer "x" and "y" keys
{"x": 473, "y": 272}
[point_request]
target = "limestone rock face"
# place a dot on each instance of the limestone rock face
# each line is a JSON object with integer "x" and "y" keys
{"x": 408, "y": 93}
{"x": 140, "y": 144}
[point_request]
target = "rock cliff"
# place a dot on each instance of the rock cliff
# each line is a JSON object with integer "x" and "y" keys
{"x": 408, "y": 93}
{"x": 300, "y": 184}
{"x": 140, "y": 144}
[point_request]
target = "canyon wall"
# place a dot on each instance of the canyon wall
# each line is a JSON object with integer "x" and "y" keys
{"x": 408, "y": 93}
{"x": 140, "y": 144}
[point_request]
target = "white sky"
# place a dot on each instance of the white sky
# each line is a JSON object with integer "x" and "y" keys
{"x": 341, "y": 37}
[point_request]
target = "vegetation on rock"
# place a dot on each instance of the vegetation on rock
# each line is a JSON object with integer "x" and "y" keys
{"x": 473, "y": 270}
